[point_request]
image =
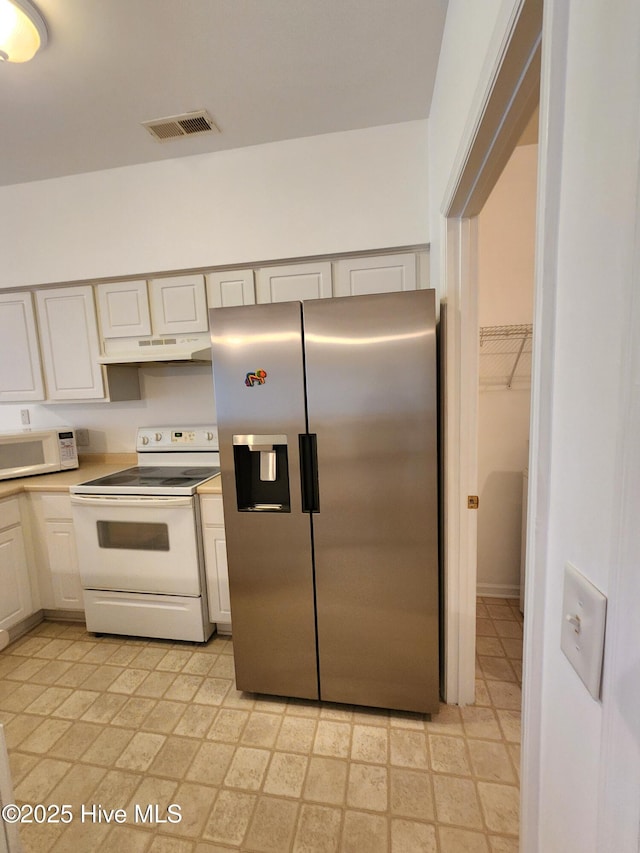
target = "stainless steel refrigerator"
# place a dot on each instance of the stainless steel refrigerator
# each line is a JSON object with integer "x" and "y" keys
{"x": 327, "y": 424}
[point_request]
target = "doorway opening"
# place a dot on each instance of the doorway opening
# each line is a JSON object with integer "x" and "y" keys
{"x": 506, "y": 231}
{"x": 506, "y": 255}
{"x": 505, "y": 110}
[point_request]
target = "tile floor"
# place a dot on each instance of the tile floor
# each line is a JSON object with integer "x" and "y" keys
{"x": 112, "y": 723}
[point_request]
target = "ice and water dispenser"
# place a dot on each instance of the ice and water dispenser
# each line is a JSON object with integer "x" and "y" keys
{"x": 262, "y": 473}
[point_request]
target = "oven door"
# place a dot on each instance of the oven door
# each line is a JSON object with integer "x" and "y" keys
{"x": 138, "y": 543}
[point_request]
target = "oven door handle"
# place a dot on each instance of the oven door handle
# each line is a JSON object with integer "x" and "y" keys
{"x": 138, "y": 501}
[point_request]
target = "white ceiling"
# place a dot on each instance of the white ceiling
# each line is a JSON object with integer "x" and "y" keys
{"x": 266, "y": 70}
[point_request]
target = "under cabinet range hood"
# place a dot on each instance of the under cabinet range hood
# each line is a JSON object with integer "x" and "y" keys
{"x": 179, "y": 349}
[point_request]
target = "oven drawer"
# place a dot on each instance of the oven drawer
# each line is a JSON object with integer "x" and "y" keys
{"x": 172, "y": 617}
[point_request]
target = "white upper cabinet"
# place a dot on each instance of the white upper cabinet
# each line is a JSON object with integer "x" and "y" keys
{"x": 230, "y": 288}
{"x": 20, "y": 371}
{"x": 124, "y": 309}
{"x": 70, "y": 346}
{"x": 294, "y": 282}
{"x": 179, "y": 305}
{"x": 381, "y": 274}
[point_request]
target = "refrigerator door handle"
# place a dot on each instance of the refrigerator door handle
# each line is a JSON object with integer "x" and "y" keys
{"x": 309, "y": 472}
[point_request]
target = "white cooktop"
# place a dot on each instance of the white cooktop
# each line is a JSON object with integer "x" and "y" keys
{"x": 171, "y": 461}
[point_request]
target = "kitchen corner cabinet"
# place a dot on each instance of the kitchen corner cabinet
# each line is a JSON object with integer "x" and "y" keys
{"x": 15, "y": 590}
{"x": 294, "y": 281}
{"x": 381, "y": 274}
{"x": 179, "y": 305}
{"x": 230, "y": 288}
{"x": 20, "y": 370}
{"x": 215, "y": 558}
{"x": 56, "y": 557}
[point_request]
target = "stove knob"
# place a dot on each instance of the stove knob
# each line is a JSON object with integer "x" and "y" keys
{"x": 145, "y": 439}
{"x": 158, "y": 436}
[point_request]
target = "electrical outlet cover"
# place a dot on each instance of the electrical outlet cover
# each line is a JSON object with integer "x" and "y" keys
{"x": 82, "y": 437}
{"x": 584, "y": 610}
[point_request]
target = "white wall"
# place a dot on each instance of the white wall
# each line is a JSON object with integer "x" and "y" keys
{"x": 171, "y": 394}
{"x": 506, "y": 243}
{"x": 340, "y": 192}
{"x": 588, "y": 790}
{"x": 471, "y": 34}
{"x": 581, "y": 764}
{"x": 506, "y": 250}
{"x": 503, "y": 452}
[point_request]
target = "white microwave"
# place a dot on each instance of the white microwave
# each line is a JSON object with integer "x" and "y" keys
{"x": 37, "y": 451}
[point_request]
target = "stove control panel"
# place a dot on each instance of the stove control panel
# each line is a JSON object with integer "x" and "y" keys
{"x": 183, "y": 437}
{"x": 170, "y": 438}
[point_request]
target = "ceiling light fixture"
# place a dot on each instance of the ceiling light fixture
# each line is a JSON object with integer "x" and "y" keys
{"x": 22, "y": 30}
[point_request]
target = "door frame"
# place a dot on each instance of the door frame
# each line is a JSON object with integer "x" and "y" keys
{"x": 504, "y": 101}
{"x": 9, "y": 836}
{"x": 619, "y": 771}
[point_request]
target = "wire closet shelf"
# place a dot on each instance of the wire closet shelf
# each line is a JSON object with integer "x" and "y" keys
{"x": 505, "y": 356}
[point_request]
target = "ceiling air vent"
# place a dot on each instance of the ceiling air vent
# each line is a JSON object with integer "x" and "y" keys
{"x": 174, "y": 127}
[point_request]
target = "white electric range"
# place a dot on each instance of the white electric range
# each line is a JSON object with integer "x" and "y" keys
{"x": 139, "y": 538}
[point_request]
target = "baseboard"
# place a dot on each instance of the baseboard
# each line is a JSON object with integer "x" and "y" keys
{"x": 25, "y": 625}
{"x": 223, "y": 628}
{"x": 498, "y": 590}
{"x": 64, "y": 615}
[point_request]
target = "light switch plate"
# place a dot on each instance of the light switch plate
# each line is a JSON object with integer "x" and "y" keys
{"x": 584, "y": 610}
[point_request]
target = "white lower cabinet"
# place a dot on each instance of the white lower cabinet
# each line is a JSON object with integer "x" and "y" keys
{"x": 53, "y": 552}
{"x": 215, "y": 559}
{"x": 63, "y": 562}
{"x": 15, "y": 590}
{"x": 56, "y": 556}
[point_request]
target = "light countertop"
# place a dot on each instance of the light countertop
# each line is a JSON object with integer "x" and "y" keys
{"x": 211, "y": 487}
{"x": 97, "y": 465}
{"x": 91, "y": 467}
